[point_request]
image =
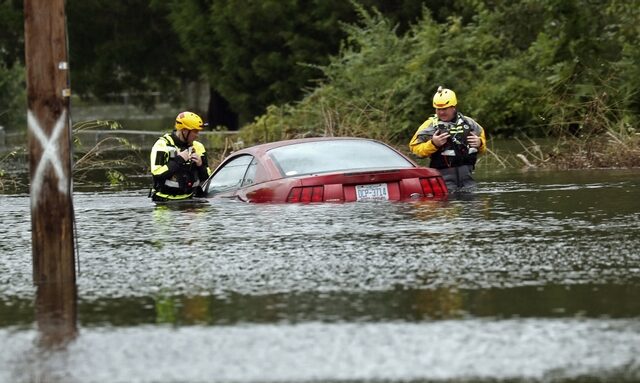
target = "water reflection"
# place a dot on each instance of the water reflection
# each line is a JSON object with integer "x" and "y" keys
{"x": 40, "y": 355}
{"x": 548, "y": 301}
{"x": 56, "y": 314}
{"x": 533, "y": 278}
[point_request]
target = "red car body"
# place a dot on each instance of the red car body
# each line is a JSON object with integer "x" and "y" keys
{"x": 323, "y": 169}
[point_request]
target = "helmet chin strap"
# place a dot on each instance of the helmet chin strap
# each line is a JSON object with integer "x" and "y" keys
{"x": 182, "y": 136}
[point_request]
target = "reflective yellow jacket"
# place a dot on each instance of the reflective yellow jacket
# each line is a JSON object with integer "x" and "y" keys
{"x": 173, "y": 177}
{"x": 422, "y": 146}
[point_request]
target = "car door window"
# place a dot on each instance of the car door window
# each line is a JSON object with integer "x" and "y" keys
{"x": 230, "y": 176}
{"x": 250, "y": 176}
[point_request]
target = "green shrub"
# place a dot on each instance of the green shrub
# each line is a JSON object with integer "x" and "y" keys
{"x": 521, "y": 69}
{"x": 13, "y": 109}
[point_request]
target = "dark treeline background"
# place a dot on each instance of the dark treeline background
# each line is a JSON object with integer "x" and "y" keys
{"x": 290, "y": 67}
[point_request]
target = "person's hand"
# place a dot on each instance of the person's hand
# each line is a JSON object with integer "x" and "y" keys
{"x": 440, "y": 138}
{"x": 474, "y": 141}
{"x": 185, "y": 154}
{"x": 196, "y": 158}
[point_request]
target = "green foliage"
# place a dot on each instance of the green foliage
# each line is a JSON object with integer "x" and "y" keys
{"x": 370, "y": 89}
{"x": 115, "y": 177}
{"x": 124, "y": 46}
{"x": 11, "y": 33}
{"x": 520, "y": 68}
{"x": 12, "y": 97}
{"x": 252, "y": 52}
{"x": 260, "y": 53}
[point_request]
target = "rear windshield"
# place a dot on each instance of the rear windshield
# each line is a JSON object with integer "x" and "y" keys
{"x": 339, "y": 155}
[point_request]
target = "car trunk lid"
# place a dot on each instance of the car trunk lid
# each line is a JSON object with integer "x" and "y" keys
{"x": 370, "y": 185}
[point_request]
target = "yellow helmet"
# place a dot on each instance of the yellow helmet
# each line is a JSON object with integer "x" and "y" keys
{"x": 189, "y": 120}
{"x": 444, "y": 98}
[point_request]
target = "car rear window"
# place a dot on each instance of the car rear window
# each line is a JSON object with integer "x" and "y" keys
{"x": 339, "y": 155}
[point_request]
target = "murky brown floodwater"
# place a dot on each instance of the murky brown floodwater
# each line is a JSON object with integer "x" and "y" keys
{"x": 536, "y": 277}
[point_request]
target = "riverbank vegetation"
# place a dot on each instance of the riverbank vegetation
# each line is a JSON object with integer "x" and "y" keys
{"x": 523, "y": 69}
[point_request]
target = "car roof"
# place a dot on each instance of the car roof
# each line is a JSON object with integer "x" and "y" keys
{"x": 262, "y": 148}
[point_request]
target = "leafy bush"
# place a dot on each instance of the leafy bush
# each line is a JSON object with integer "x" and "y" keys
{"x": 12, "y": 97}
{"x": 521, "y": 68}
{"x": 370, "y": 90}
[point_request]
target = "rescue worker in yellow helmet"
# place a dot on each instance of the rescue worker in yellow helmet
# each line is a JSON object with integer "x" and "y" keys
{"x": 179, "y": 163}
{"x": 451, "y": 140}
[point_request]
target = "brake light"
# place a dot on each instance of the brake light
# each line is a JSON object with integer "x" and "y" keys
{"x": 306, "y": 194}
{"x": 433, "y": 187}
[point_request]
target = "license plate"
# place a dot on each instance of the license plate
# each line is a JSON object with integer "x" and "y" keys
{"x": 373, "y": 192}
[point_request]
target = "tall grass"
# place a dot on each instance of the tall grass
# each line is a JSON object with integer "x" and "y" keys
{"x": 594, "y": 133}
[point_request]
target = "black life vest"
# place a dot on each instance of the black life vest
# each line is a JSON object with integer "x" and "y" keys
{"x": 185, "y": 179}
{"x": 456, "y": 151}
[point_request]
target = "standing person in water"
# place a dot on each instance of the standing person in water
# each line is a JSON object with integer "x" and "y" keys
{"x": 451, "y": 140}
{"x": 178, "y": 162}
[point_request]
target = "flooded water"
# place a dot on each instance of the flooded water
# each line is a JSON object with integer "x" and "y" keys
{"x": 535, "y": 277}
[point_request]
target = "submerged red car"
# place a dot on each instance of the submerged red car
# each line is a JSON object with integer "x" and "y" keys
{"x": 323, "y": 169}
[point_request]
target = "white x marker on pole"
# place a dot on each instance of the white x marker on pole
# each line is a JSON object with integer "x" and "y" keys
{"x": 50, "y": 155}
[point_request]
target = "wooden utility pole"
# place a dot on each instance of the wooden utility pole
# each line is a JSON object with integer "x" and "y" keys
{"x": 50, "y": 167}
